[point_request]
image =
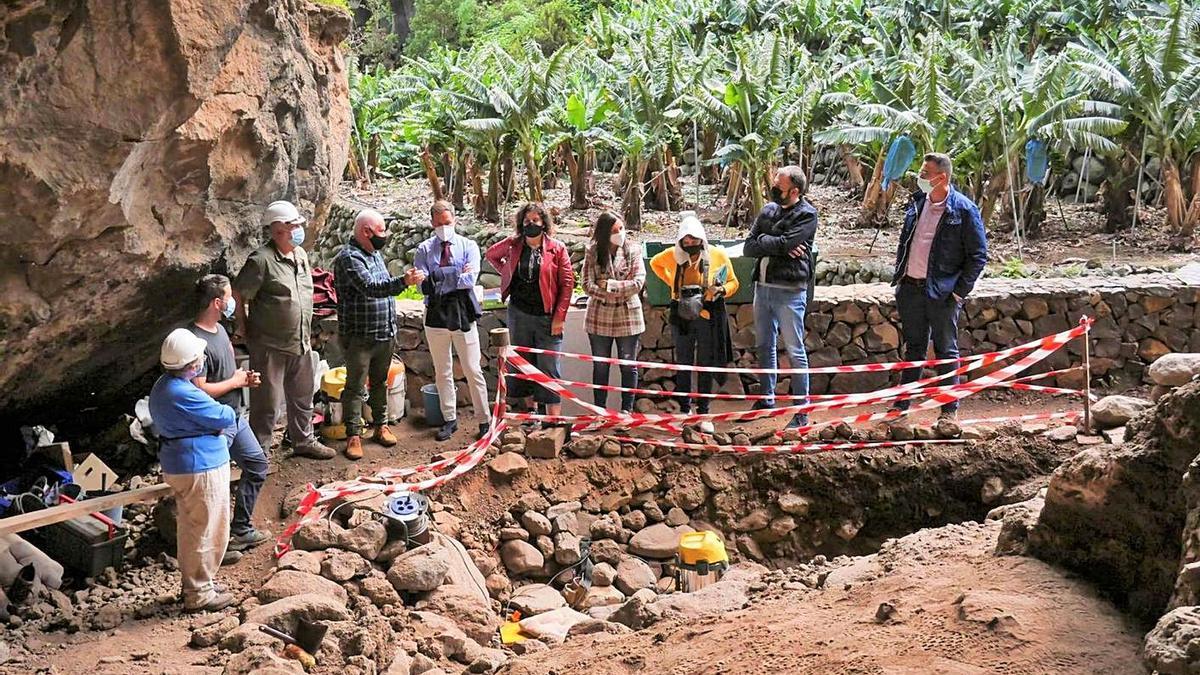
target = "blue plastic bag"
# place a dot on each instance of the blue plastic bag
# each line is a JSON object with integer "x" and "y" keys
{"x": 1037, "y": 161}
{"x": 899, "y": 158}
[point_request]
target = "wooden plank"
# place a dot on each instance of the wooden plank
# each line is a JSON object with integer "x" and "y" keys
{"x": 61, "y": 512}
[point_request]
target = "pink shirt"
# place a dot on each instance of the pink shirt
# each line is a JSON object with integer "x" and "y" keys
{"x": 922, "y": 238}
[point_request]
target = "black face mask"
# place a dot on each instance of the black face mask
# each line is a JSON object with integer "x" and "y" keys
{"x": 777, "y": 196}
{"x": 532, "y": 230}
{"x": 693, "y": 249}
{"x": 378, "y": 242}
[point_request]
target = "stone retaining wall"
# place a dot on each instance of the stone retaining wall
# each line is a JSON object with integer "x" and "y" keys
{"x": 1137, "y": 321}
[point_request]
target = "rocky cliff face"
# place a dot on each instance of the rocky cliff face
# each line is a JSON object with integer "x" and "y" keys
{"x": 139, "y": 142}
{"x": 1124, "y": 516}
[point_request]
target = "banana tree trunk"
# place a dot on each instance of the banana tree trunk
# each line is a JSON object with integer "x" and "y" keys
{"x": 459, "y": 194}
{"x": 710, "y": 174}
{"x": 631, "y": 206}
{"x": 589, "y": 168}
{"x": 1033, "y": 211}
{"x": 507, "y": 177}
{"x": 759, "y": 179}
{"x": 854, "y": 168}
{"x": 621, "y": 178}
{"x": 656, "y": 197}
{"x": 877, "y": 200}
{"x": 435, "y": 183}
{"x": 734, "y": 186}
{"x": 479, "y": 199}
{"x": 674, "y": 188}
{"x": 575, "y": 170}
{"x": 1181, "y": 217}
{"x": 1117, "y": 194}
{"x": 533, "y": 175}
{"x": 996, "y": 186}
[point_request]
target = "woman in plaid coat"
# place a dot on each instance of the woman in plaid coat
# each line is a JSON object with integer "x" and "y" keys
{"x": 613, "y": 277}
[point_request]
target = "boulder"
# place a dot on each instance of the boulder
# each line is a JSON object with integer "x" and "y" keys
{"x": 508, "y": 465}
{"x": 260, "y": 660}
{"x": 521, "y": 557}
{"x": 1116, "y": 411}
{"x": 603, "y": 574}
{"x": 796, "y": 505}
{"x": 464, "y": 572}
{"x": 366, "y": 540}
{"x": 473, "y": 615}
{"x": 1017, "y": 521}
{"x": 1173, "y": 647}
{"x": 207, "y": 636}
{"x": 344, "y": 565}
{"x": 566, "y": 548}
{"x": 601, "y": 596}
{"x": 286, "y": 583}
{"x": 535, "y": 523}
{"x": 637, "y": 613}
{"x": 422, "y": 569}
{"x": 659, "y": 541}
{"x": 380, "y": 592}
{"x": 1173, "y": 370}
{"x": 546, "y": 443}
{"x": 536, "y": 599}
{"x": 729, "y": 594}
{"x": 318, "y": 535}
{"x": 286, "y": 614}
{"x": 301, "y": 561}
{"x": 633, "y": 575}
{"x": 552, "y": 627}
{"x": 152, "y": 142}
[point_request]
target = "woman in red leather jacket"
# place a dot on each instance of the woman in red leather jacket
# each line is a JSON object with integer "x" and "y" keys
{"x": 537, "y": 279}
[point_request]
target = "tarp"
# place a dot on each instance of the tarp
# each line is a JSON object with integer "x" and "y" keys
{"x": 1037, "y": 161}
{"x": 899, "y": 158}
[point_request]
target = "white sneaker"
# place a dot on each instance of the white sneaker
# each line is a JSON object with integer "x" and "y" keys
{"x": 707, "y": 427}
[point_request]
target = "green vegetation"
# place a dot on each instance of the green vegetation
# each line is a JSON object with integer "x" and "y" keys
{"x": 497, "y": 99}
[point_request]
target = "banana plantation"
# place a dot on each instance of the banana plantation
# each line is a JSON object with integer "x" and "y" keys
{"x": 733, "y": 89}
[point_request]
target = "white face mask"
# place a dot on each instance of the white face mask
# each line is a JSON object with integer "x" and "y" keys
{"x": 618, "y": 239}
{"x": 925, "y": 185}
{"x": 444, "y": 232}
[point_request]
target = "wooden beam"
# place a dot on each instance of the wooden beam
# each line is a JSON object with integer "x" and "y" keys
{"x": 62, "y": 512}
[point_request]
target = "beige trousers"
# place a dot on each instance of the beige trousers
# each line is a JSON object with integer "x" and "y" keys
{"x": 201, "y": 529}
{"x": 466, "y": 345}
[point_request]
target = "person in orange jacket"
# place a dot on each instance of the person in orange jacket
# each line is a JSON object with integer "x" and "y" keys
{"x": 700, "y": 276}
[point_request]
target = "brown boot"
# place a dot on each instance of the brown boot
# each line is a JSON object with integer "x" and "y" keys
{"x": 354, "y": 447}
{"x": 384, "y": 436}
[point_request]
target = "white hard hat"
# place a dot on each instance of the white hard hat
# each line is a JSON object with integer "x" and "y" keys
{"x": 180, "y": 348}
{"x": 282, "y": 212}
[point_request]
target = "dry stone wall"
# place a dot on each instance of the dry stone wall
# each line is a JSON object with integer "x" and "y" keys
{"x": 1139, "y": 318}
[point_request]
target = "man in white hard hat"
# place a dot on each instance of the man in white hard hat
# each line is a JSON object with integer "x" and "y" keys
{"x": 195, "y": 463}
{"x": 274, "y": 293}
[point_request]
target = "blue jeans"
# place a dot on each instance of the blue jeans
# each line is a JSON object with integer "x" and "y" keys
{"x": 531, "y": 330}
{"x": 781, "y": 310}
{"x": 922, "y": 318}
{"x": 245, "y": 451}
{"x": 627, "y": 348}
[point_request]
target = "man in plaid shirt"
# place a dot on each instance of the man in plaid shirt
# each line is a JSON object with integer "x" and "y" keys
{"x": 366, "y": 325}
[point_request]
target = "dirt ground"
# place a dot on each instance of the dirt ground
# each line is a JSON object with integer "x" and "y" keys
{"x": 159, "y": 645}
{"x": 1073, "y": 233}
{"x": 959, "y": 610}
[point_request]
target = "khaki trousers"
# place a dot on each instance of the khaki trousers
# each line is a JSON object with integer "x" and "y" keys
{"x": 287, "y": 380}
{"x": 466, "y": 345}
{"x": 201, "y": 529}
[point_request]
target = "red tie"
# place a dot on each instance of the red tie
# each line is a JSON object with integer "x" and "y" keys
{"x": 445, "y": 254}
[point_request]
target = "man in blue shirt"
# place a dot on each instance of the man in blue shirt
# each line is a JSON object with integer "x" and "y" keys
{"x": 450, "y": 263}
{"x": 195, "y": 463}
{"x": 942, "y": 251}
{"x": 366, "y": 326}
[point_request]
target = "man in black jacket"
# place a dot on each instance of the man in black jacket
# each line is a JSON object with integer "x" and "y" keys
{"x": 782, "y": 241}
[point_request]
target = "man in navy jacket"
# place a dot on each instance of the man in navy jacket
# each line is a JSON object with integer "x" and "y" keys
{"x": 942, "y": 251}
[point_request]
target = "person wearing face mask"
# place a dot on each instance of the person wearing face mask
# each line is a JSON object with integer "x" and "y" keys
{"x": 781, "y": 240}
{"x": 451, "y": 265}
{"x": 274, "y": 310}
{"x": 220, "y": 378}
{"x": 195, "y": 464}
{"x": 700, "y": 277}
{"x": 613, "y": 276}
{"x": 536, "y": 278}
{"x": 366, "y": 326}
{"x": 942, "y": 251}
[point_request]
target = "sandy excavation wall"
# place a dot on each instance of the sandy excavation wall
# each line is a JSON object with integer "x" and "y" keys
{"x": 139, "y": 143}
{"x": 1138, "y": 319}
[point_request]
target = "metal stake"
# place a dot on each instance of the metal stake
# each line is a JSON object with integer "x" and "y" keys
{"x": 1087, "y": 381}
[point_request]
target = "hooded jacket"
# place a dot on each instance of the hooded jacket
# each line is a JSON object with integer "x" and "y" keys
{"x": 665, "y": 263}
